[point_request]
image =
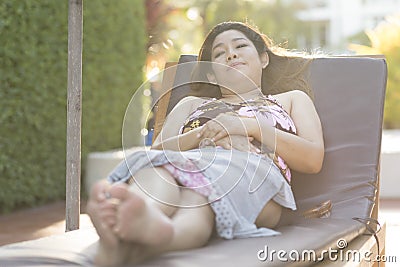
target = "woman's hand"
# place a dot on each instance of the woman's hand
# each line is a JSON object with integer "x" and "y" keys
{"x": 238, "y": 142}
{"x": 224, "y": 125}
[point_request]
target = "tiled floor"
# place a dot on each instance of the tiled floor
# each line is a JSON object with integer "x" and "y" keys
{"x": 35, "y": 223}
{"x": 49, "y": 220}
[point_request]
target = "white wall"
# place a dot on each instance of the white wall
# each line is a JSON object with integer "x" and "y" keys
{"x": 390, "y": 160}
{"x": 347, "y": 17}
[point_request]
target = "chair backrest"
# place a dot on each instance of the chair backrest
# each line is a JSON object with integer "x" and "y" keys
{"x": 349, "y": 95}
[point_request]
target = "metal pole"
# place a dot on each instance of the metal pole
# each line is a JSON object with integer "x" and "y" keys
{"x": 74, "y": 115}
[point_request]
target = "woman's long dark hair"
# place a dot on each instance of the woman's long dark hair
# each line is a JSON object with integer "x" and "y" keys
{"x": 286, "y": 71}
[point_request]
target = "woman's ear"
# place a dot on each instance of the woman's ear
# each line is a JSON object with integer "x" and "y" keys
{"x": 211, "y": 78}
{"x": 264, "y": 59}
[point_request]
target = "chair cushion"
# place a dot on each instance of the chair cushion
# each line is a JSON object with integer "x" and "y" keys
{"x": 349, "y": 97}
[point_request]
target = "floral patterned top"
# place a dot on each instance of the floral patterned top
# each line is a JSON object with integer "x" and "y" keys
{"x": 266, "y": 109}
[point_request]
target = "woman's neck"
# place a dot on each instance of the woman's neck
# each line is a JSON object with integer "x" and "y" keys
{"x": 240, "y": 97}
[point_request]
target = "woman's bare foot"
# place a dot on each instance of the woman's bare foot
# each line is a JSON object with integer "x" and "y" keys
{"x": 102, "y": 211}
{"x": 128, "y": 225}
{"x": 139, "y": 220}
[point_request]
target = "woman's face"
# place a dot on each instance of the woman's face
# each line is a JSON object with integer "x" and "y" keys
{"x": 240, "y": 59}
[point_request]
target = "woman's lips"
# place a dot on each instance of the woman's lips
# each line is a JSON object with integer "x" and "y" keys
{"x": 235, "y": 64}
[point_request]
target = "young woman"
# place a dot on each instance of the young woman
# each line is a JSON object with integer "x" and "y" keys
{"x": 219, "y": 163}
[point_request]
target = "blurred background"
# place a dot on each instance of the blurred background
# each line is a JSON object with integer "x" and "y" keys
{"x": 128, "y": 42}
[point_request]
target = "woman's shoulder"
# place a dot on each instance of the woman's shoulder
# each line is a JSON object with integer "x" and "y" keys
{"x": 291, "y": 93}
{"x": 190, "y": 100}
{"x": 195, "y": 99}
{"x": 193, "y": 102}
{"x": 288, "y": 98}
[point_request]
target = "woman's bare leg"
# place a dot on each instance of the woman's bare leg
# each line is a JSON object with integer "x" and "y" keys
{"x": 192, "y": 228}
{"x": 193, "y": 225}
{"x": 141, "y": 219}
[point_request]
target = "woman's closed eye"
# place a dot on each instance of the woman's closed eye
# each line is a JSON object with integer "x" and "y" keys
{"x": 218, "y": 54}
{"x": 241, "y": 45}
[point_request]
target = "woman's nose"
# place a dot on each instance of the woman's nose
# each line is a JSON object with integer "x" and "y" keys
{"x": 231, "y": 55}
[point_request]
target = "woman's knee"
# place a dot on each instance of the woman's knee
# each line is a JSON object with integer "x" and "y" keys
{"x": 158, "y": 185}
{"x": 155, "y": 178}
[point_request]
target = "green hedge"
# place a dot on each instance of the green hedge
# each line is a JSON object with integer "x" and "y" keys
{"x": 33, "y": 85}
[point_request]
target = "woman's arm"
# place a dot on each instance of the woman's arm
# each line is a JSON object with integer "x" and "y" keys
{"x": 169, "y": 137}
{"x": 303, "y": 152}
{"x": 180, "y": 142}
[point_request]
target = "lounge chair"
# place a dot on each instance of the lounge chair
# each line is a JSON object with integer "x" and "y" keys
{"x": 349, "y": 97}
